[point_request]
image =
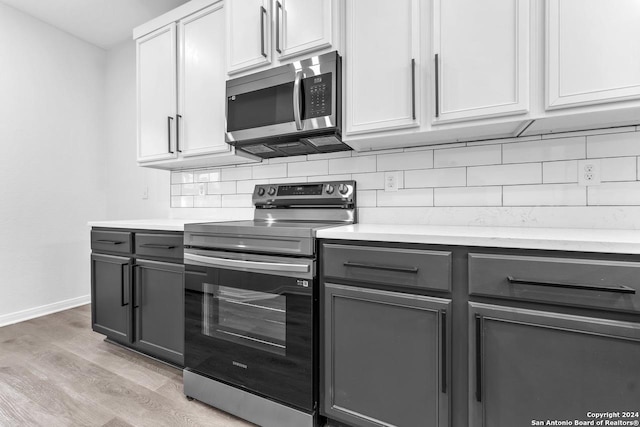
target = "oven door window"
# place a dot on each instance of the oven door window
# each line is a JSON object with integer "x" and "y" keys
{"x": 247, "y": 317}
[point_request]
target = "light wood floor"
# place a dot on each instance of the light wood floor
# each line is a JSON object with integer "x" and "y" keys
{"x": 55, "y": 371}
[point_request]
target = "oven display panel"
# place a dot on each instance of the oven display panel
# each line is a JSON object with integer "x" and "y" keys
{"x": 300, "y": 190}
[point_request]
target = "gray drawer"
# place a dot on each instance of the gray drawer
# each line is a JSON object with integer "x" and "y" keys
{"x": 159, "y": 245}
{"x": 111, "y": 241}
{"x": 568, "y": 281}
{"x": 392, "y": 266}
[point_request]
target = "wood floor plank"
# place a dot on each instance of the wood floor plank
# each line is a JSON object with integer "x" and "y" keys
{"x": 55, "y": 371}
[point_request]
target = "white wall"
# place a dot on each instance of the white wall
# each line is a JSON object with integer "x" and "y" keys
{"x": 52, "y": 165}
{"x": 126, "y": 180}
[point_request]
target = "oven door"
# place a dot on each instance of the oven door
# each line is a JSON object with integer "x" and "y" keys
{"x": 249, "y": 323}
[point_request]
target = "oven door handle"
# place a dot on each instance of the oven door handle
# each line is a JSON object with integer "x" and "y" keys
{"x": 238, "y": 263}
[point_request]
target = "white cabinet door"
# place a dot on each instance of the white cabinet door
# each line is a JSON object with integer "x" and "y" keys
{"x": 593, "y": 51}
{"x": 481, "y": 63}
{"x": 156, "y": 86}
{"x": 382, "y": 65}
{"x": 248, "y": 34}
{"x": 201, "y": 87}
{"x": 302, "y": 26}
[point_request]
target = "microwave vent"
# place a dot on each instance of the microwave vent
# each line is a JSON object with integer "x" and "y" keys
{"x": 257, "y": 149}
{"x": 323, "y": 141}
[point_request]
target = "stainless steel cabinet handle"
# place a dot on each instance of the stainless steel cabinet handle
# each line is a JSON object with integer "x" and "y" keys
{"x": 443, "y": 352}
{"x": 256, "y": 265}
{"x": 437, "y": 79}
{"x": 381, "y": 267}
{"x": 169, "y": 119}
{"x": 479, "y": 358}
{"x": 263, "y": 13}
{"x": 136, "y": 286}
{"x": 413, "y": 88}
{"x": 296, "y": 100}
{"x": 110, "y": 242}
{"x": 178, "y": 118}
{"x": 620, "y": 289}
{"x": 278, "y": 6}
{"x": 156, "y": 246}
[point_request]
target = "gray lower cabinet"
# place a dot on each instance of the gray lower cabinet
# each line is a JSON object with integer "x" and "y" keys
{"x": 158, "y": 304}
{"x": 528, "y": 365}
{"x": 385, "y": 357}
{"x": 110, "y": 296}
{"x": 137, "y": 290}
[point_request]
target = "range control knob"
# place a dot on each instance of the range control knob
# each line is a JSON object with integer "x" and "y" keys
{"x": 272, "y": 191}
{"x": 261, "y": 191}
{"x": 343, "y": 189}
{"x": 329, "y": 189}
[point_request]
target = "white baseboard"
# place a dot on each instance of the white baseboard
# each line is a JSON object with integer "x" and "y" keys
{"x": 43, "y": 310}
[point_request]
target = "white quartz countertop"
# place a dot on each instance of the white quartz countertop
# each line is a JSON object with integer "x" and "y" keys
{"x": 162, "y": 224}
{"x": 584, "y": 240}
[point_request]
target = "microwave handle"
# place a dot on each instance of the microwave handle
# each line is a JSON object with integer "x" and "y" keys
{"x": 296, "y": 100}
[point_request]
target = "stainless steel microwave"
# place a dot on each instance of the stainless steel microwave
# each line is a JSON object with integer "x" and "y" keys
{"x": 290, "y": 110}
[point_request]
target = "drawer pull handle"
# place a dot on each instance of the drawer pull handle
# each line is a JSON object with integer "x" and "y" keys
{"x": 156, "y": 246}
{"x": 413, "y": 270}
{"x": 615, "y": 289}
{"x": 110, "y": 242}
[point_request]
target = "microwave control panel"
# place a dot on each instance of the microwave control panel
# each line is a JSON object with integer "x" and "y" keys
{"x": 317, "y": 96}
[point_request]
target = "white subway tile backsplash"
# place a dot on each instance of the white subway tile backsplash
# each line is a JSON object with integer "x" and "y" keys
{"x": 352, "y": 165}
{"x": 448, "y": 177}
{"x": 369, "y": 181}
{"x": 618, "y": 169}
{"x": 308, "y": 168}
{"x": 236, "y": 201}
{"x": 545, "y": 150}
{"x": 560, "y": 172}
{"x": 536, "y": 172}
{"x": 366, "y": 198}
{"x": 222, "y": 187}
{"x": 270, "y": 171}
{"x": 181, "y": 177}
{"x": 336, "y": 155}
{"x": 613, "y": 145}
{"x": 236, "y": 174}
{"x": 189, "y": 190}
{"x": 467, "y": 156}
{"x": 615, "y": 194}
{"x": 544, "y": 195}
{"x": 181, "y": 201}
{"x": 246, "y": 187}
{"x": 412, "y": 197}
{"x": 525, "y": 173}
{"x": 208, "y": 201}
{"x": 468, "y": 196}
{"x": 405, "y": 161}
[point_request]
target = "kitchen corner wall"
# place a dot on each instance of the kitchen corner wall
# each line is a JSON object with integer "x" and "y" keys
{"x": 531, "y": 181}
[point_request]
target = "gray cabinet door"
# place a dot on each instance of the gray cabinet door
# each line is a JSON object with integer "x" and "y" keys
{"x": 111, "y": 296}
{"x": 385, "y": 358}
{"x": 158, "y": 301}
{"x": 529, "y": 365}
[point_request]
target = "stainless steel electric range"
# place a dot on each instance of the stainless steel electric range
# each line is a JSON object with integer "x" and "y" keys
{"x": 251, "y": 297}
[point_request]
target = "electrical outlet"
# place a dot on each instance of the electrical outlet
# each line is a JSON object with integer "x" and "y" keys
{"x": 589, "y": 172}
{"x": 202, "y": 189}
{"x": 391, "y": 181}
{"x": 145, "y": 192}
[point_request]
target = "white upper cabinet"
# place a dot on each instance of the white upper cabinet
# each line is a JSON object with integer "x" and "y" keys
{"x": 302, "y": 26}
{"x": 593, "y": 52}
{"x": 156, "y": 94}
{"x": 481, "y": 58}
{"x": 201, "y": 88}
{"x": 382, "y": 65}
{"x": 181, "y": 74}
{"x": 262, "y": 33}
{"x": 248, "y": 34}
